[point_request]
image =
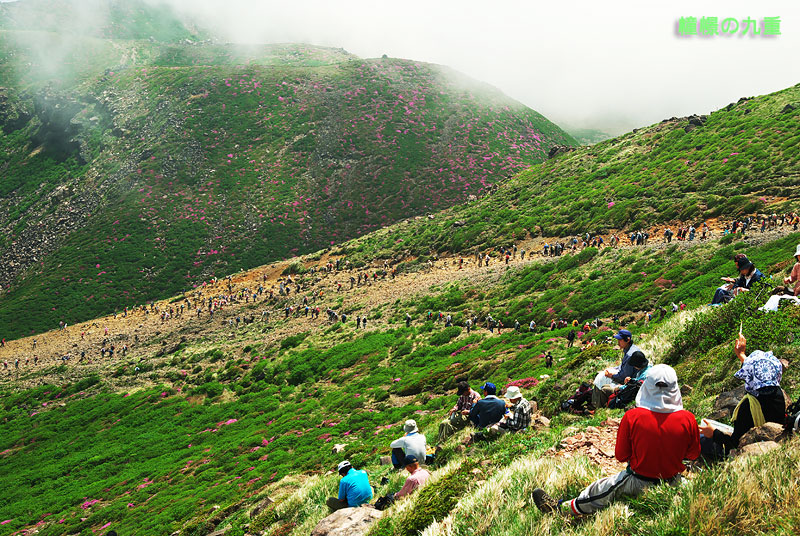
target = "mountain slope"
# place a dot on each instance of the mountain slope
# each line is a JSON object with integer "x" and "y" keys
{"x": 742, "y": 159}
{"x": 157, "y": 166}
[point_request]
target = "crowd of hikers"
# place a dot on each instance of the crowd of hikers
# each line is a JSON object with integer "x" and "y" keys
{"x": 655, "y": 438}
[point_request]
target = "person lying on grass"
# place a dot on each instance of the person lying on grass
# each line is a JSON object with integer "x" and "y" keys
{"x": 763, "y": 402}
{"x": 654, "y": 438}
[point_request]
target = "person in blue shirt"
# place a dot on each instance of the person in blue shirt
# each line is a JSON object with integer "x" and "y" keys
{"x": 354, "y": 488}
{"x": 489, "y": 410}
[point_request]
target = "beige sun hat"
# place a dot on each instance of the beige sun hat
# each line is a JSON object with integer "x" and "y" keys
{"x": 513, "y": 392}
{"x": 796, "y": 253}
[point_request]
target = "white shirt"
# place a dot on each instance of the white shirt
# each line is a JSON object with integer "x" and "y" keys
{"x": 414, "y": 444}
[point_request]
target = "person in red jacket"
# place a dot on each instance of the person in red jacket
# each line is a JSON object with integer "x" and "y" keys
{"x": 654, "y": 438}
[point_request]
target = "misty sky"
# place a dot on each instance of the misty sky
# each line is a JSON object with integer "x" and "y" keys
{"x": 613, "y": 65}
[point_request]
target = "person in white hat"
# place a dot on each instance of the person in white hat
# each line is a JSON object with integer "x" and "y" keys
{"x": 518, "y": 417}
{"x": 653, "y": 438}
{"x": 794, "y": 275}
{"x": 412, "y": 443}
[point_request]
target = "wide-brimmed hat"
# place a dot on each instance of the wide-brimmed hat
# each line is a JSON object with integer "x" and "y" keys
{"x": 513, "y": 392}
{"x": 797, "y": 252}
{"x": 410, "y": 426}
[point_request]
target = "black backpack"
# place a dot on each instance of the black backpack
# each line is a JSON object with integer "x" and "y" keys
{"x": 791, "y": 422}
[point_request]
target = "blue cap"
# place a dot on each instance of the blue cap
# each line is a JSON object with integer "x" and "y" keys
{"x": 408, "y": 460}
{"x": 623, "y": 335}
{"x": 489, "y": 387}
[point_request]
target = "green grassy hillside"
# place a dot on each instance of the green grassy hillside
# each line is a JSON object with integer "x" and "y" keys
{"x": 741, "y": 159}
{"x": 134, "y": 169}
{"x": 204, "y": 421}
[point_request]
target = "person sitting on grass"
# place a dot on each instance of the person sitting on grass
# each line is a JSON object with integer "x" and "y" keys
{"x": 627, "y": 392}
{"x": 518, "y": 417}
{"x": 762, "y": 403}
{"x": 412, "y": 443}
{"x": 489, "y": 410}
{"x": 458, "y": 417}
{"x": 354, "y": 488}
{"x": 654, "y": 438}
{"x": 600, "y": 395}
{"x": 748, "y": 275}
{"x": 417, "y": 477}
{"x": 794, "y": 275}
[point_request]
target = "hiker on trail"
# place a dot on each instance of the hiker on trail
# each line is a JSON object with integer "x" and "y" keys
{"x": 763, "y": 402}
{"x": 548, "y": 360}
{"x": 532, "y": 326}
{"x": 518, "y": 418}
{"x": 601, "y": 394}
{"x": 570, "y": 338}
{"x": 794, "y": 275}
{"x": 458, "y": 416}
{"x": 748, "y": 275}
{"x": 412, "y": 443}
{"x": 468, "y": 325}
{"x": 417, "y": 477}
{"x": 408, "y": 320}
{"x": 354, "y": 488}
{"x": 654, "y": 438}
{"x": 489, "y": 410}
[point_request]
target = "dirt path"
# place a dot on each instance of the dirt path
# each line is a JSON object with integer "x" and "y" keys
{"x": 147, "y": 334}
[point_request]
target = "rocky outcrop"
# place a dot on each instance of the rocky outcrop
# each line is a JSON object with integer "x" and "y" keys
{"x": 348, "y": 522}
{"x": 769, "y": 432}
{"x": 726, "y": 403}
{"x": 758, "y": 448}
{"x": 557, "y": 150}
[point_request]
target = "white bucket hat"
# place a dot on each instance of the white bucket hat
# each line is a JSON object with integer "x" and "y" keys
{"x": 410, "y": 426}
{"x": 796, "y": 253}
{"x": 513, "y": 392}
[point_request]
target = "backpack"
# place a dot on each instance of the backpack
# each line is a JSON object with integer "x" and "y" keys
{"x": 791, "y": 422}
{"x": 625, "y": 396}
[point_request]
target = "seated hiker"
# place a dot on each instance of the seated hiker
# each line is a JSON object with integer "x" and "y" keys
{"x": 518, "y": 416}
{"x": 417, "y": 477}
{"x": 489, "y": 410}
{"x": 601, "y": 394}
{"x": 748, "y": 275}
{"x": 458, "y": 417}
{"x": 579, "y": 402}
{"x": 763, "y": 402}
{"x": 627, "y": 392}
{"x": 412, "y": 443}
{"x": 794, "y": 275}
{"x": 654, "y": 438}
{"x": 354, "y": 488}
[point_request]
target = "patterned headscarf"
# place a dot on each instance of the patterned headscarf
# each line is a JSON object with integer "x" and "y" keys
{"x": 760, "y": 369}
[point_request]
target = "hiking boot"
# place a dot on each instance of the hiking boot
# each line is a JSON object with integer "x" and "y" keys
{"x": 544, "y": 502}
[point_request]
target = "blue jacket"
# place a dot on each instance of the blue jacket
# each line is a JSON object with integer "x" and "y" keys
{"x": 625, "y": 370}
{"x": 741, "y": 281}
{"x": 487, "y": 411}
{"x": 354, "y": 487}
